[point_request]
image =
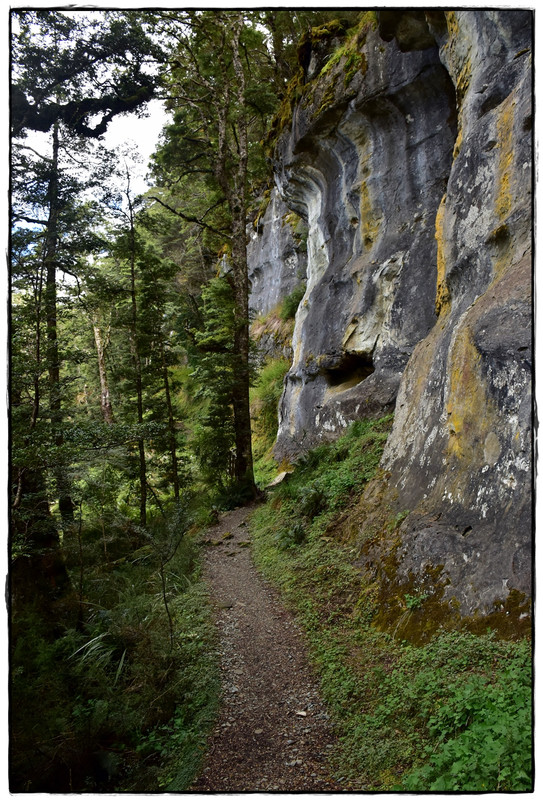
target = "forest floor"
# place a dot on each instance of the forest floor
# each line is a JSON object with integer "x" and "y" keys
{"x": 273, "y": 732}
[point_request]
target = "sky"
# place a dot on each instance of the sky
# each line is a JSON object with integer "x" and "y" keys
{"x": 143, "y": 132}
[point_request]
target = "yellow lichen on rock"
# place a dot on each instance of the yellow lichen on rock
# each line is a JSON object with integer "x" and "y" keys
{"x": 469, "y": 409}
{"x": 460, "y": 68}
{"x": 505, "y": 129}
{"x": 443, "y": 300}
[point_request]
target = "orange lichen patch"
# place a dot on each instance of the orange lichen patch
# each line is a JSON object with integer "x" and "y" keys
{"x": 452, "y": 23}
{"x": 443, "y": 300}
{"x": 462, "y": 82}
{"x": 458, "y": 141}
{"x": 460, "y": 60}
{"x": 469, "y": 409}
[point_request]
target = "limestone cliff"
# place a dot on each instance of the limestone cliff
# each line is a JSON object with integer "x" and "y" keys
{"x": 276, "y": 254}
{"x": 408, "y": 154}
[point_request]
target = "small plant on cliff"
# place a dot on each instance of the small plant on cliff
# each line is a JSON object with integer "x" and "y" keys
{"x": 415, "y": 600}
{"x": 290, "y": 304}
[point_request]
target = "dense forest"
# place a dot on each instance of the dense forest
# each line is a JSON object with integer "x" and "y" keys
{"x": 130, "y": 356}
{"x": 141, "y": 409}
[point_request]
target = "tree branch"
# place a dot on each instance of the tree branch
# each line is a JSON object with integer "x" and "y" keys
{"x": 189, "y": 218}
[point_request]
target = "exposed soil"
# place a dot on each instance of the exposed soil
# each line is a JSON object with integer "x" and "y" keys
{"x": 273, "y": 733}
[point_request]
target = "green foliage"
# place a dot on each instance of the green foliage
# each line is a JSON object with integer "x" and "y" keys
{"x": 328, "y": 476}
{"x": 133, "y": 687}
{"x": 292, "y": 536}
{"x": 63, "y": 59}
{"x": 481, "y": 736}
{"x": 415, "y": 600}
{"x": 214, "y": 371}
{"x": 451, "y": 715}
{"x": 291, "y": 302}
{"x": 265, "y": 395}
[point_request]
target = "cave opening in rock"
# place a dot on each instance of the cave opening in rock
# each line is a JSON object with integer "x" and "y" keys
{"x": 349, "y": 371}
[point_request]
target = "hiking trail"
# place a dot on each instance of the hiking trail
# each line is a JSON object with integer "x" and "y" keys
{"x": 273, "y": 732}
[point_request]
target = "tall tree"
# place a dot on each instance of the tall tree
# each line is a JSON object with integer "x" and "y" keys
{"x": 81, "y": 71}
{"x": 220, "y": 98}
{"x": 70, "y": 76}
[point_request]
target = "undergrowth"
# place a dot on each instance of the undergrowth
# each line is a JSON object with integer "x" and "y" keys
{"x": 451, "y": 715}
{"x": 123, "y": 699}
{"x": 265, "y": 396}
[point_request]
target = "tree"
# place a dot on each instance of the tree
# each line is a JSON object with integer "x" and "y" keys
{"x": 52, "y": 235}
{"x": 227, "y": 71}
{"x": 71, "y": 69}
{"x": 71, "y": 76}
{"x": 219, "y": 97}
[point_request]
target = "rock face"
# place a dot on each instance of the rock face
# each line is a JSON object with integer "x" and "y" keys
{"x": 367, "y": 167}
{"x": 413, "y": 172}
{"x": 461, "y": 447}
{"x": 276, "y": 254}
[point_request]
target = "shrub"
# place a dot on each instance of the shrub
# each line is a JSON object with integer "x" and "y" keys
{"x": 291, "y": 536}
{"x": 291, "y": 302}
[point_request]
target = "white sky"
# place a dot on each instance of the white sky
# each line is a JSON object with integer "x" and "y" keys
{"x": 143, "y": 132}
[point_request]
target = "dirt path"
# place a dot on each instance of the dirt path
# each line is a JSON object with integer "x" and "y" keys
{"x": 273, "y": 732}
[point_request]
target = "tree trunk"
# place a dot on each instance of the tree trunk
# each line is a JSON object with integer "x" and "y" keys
{"x": 105, "y": 399}
{"x": 136, "y": 359}
{"x": 242, "y": 416}
{"x": 66, "y": 506}
{"x": 171, "y": 423}
{"x": 238, "y": 206}
{"x": 39, "y": 575}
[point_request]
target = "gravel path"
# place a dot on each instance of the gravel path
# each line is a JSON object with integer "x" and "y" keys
{"x": 273, "y": 733}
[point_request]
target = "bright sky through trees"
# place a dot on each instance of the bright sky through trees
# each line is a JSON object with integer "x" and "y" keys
{"x": 144, "y": 132}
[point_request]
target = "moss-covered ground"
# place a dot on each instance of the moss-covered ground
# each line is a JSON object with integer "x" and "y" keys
{"x": 454, "y": 713}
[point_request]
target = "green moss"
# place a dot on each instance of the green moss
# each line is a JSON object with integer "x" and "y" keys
{"x": 511, "y": 618}
{"x": 262, "y": 208}
{"x": 347, "y": 56}
{"x": 293, "y": 93}
{"x": 384, "y": 692}
{"x": 419, "y": 622}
